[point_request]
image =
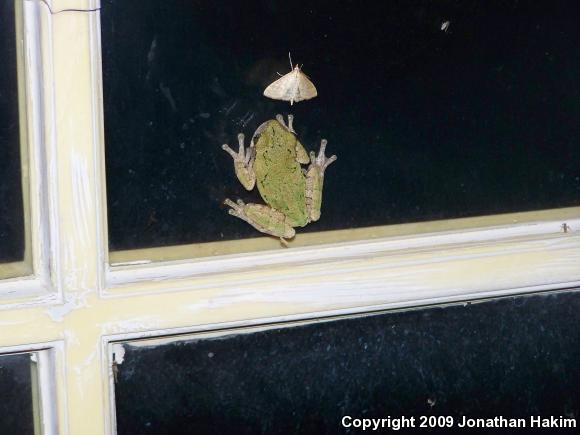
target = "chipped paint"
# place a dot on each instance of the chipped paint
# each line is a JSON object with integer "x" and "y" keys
{"x": 74, "y": 301}
{"x": 118, "y": 353}
{"x": 58, "y": 312}
{"x": 80, "y": 197}
{"x": 142, "y": 323}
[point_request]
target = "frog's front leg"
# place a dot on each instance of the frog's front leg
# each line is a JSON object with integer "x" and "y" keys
{"x": 290, "y": 126}
{"x": 243, "y": 162}
{"x": 315, "y": 181}
{"x": 301, "y": 154}
{"x": 263, "y": 218}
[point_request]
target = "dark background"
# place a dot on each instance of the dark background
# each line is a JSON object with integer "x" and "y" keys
{"x": 427, "y": 125}
{"x": 16, "y": 416}
{"x": 514, "y": 357}
{"x": 11, "y": 207}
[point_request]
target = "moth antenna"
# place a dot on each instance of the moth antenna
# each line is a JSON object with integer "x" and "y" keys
{"x": 290, "y": 57}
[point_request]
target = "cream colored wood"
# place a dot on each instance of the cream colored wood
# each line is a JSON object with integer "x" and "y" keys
{"x": 65, "y": 100}
{"x": 87, "y": 329}
{"x": 90, "y": 304}
{"x": 78, "y": 179}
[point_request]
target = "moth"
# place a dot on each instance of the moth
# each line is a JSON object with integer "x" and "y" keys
{"x": 294, "y": 86}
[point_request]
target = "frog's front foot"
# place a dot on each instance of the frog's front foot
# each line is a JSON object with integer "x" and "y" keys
{"x": 263, "y": 218}
{"x": 243, "y": 162}
{"x": 290, "y": 126}
{"x": 315, "y": 181}
{"x": 321, "y": 162}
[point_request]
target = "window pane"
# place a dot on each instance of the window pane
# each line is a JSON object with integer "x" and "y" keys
{"x": 12, "y": 236}
{"x": 515, "y": 357}
{"x": 17, "y": 406}
{"x": 478, "y": 118}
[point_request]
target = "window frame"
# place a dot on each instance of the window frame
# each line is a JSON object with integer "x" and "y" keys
{"x": 38, "y": 167}
{"x": 77, "y": 305}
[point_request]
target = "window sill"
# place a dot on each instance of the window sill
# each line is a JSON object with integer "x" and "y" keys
{"x": 512, "y": 254}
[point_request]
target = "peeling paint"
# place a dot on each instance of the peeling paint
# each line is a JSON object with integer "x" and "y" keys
{"x": 80, "y": 380}
{"x": 58, "y": 312}
{"x": 71, "y": 338}
{"x": 80, "y": 193}
{"x": 89, "y": 359}
{"x": 83, "y": 371}
{"x": 143, "y": 323}
{"x": 118, "y": 353}
{"x": 73, "y": 302}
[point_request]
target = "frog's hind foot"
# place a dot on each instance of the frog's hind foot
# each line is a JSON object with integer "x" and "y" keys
{"x": 237, "y": 209}
{"x": 321, "y": 161}
{"x": 290, "y": 126}
{"x": 263, "y": 218}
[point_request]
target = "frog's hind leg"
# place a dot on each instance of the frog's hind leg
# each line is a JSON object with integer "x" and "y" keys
{"x": 243, "y": 162}
{"x": 289, "y": 126}
{"x": 315, "y": 181}
{"x": 263, "y": 218}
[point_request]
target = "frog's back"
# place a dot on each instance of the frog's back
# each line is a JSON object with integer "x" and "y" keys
{"x": 278, "y": 175}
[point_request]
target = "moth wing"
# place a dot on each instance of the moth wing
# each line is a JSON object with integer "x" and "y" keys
{"x": 281, "y": 89}
{"x": 306, "y": 89}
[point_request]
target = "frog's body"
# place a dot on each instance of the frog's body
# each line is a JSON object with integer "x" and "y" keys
{"x": 273, "y": 162}
{"x": 279, "y": 176}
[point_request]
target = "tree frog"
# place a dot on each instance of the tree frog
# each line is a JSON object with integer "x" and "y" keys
{"x": 273, "y": 161}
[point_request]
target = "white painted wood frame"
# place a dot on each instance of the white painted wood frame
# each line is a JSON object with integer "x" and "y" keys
{"x": 76, "y": 304}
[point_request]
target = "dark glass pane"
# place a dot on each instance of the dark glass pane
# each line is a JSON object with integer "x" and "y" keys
{"x": 514, "y": 357}
{"x": 427, "y": 124}
{"x": 16, "y": 409}
{"x": 11, "y": 207}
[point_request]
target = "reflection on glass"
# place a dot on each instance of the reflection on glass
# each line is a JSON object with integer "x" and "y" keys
{"x": 19, "y": 412}
{"x": 436, "y": 110}
{"x": 12, "y": 221}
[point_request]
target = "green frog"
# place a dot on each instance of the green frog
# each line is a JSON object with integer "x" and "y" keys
{"x": 274, "y": 162}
